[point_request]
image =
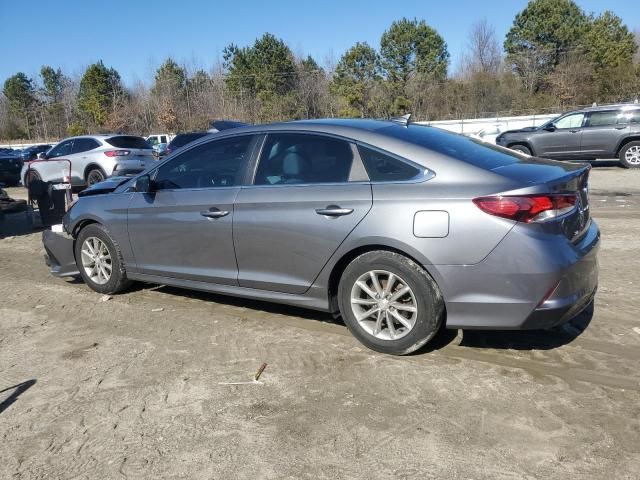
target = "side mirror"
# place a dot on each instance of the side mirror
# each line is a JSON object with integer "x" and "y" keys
{"x": 144, "y": 184}
{"x": 41, "y": 156}
{"x": 550, "y": 128}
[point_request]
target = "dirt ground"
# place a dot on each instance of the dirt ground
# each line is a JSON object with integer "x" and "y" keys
{"x": 121, "y": 389}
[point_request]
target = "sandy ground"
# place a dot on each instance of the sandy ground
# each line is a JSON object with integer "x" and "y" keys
{"x": 93, "y": 389}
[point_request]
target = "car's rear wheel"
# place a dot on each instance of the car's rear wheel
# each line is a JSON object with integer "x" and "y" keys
{"x": 521, "y": 149}
{"x": 99, "y": 260}
{"x": 630, "y": 155}
{"x": 95, "y": 175}
{"x": 389, "y": 302}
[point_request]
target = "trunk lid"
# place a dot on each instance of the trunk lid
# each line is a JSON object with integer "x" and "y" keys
{"x": 550, "y": 176}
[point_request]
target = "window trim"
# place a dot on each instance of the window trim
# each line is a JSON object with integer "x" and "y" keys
{"x": 357, "y": 167}
{"x": 585, "y": 116}
{"x": 425, "y": 173}
{"x": 618, "y": 111}
{"x": 243, "y": 177}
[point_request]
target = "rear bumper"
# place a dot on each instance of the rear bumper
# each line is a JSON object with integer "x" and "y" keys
{"x": 527, "y": 282}
{"x": 59, "y": 254}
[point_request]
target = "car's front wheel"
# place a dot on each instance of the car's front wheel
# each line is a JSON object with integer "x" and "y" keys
{"x": 390, "y": 303}
{"x": 630, "y": 155}
{"x": 521, "y": 148}
{"x": 99, "y": 260}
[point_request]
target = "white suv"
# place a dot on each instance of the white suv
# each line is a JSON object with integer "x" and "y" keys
{"x": 93, "y": 158}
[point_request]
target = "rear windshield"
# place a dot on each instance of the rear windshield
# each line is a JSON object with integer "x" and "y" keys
{"x": 128, "y": 141}
{"x": 184, "y": 138}
{"x": 469, "y": 150}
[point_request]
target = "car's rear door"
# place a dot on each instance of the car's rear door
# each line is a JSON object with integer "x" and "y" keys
{"x": 309, "y": 192}
{"x": 602, "y": 134}
{"x": 184, "y": 229}
{"x": 81, "y": 157}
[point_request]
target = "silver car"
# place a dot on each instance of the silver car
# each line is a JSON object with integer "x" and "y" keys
{"x": 400, "y": 228}
{"x": 92, "y": 159}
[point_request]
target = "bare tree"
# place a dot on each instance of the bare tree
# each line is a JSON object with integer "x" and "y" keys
{"x": 485, "y": 54}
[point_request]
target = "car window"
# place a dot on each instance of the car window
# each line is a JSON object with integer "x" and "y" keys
{"x": 152, "y": 141}
{"x": 303, "y": 158}
{"x": 163, "y": 139}
{"x": 214, "y": 164}
{"x": 629, "y": 116}
{"x": 128, "y": 141}
{"x": 599, "y": 119}
{"x": 62, "y": 149}
{"x": 570, "y": 121}
{"x": 382, "y": 167}
{"x": 84, "y": 145}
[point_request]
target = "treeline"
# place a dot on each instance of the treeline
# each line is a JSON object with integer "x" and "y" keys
{"x": 555, "y": 56}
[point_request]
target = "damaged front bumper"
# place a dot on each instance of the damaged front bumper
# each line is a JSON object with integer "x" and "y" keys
{"x": 59, "y": 254}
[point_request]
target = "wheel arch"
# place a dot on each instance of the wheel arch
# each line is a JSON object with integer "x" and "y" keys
{"x": 347, "y": 257}
{"x": 625, "y": 141}
{"x": 523, "y": 143}
{"x": 93, "y": 166}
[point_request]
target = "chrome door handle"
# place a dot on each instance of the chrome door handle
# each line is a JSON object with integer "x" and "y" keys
{"x": 574, "y": 131}
{"x": 214, "y": 213}
{"x": 334, "y": 211}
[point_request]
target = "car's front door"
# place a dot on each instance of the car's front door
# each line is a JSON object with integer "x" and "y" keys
{"x": 603, "y": 133}
{"x": 184, "y": 227}
{"x": 564, "y": 141}
{"x": 308, "y": 194}
{"x": 56, "y": 166}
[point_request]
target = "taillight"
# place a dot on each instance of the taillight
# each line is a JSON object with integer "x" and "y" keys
{"x": 527, "y": 208}
{"x": 117, "y": 153}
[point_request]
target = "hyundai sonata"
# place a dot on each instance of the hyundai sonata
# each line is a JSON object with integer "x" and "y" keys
{"x": 398, "y": 227}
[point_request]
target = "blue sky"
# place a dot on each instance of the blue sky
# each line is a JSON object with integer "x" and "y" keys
{"x": 136, "y": 36}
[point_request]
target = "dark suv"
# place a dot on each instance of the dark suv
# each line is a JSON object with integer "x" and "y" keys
{"x": 596, "y": 132}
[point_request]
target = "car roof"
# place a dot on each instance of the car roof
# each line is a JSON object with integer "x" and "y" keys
{"x": 616, "y": 106}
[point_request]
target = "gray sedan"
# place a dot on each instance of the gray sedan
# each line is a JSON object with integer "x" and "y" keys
{"x": 400, "y": 228}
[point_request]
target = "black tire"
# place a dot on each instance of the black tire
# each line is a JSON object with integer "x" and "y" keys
{"x": 95, "y": 175}
{"x": 521, "y": 148}
{"x": 30, "y": 176}
{"x": 623, "y": 154}
{"x": 118, "y": 280}
{"x": 429, "y": 301}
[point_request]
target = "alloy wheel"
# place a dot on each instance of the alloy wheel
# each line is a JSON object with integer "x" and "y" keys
{"x": 384, "y": 305}
{"x": 96, "y": 260}
{"x": 632, "y": 155}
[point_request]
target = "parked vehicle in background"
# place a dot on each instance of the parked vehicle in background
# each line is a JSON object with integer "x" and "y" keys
{"x": 489, "y": 134}
{"x": 390, "y": 224}
{"x": 220, "y": 125}
{"x": 31, "y": 153}
{"x": 10, "y": 166}
{"x": 611, "y": 131}
{"x": 159, "y": 150}
{"x": 183, "y": 139}
{"x": 93, "y": 158}
{"x": 158, "y": 138}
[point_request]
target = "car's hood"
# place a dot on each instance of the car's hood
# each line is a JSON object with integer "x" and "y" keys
{"x": 519, "y": 130}
{"x": 108, "y": 186}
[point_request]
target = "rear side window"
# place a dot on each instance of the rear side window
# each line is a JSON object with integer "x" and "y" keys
{"x": 184, "y": 138}
{"x": 84, "y": 145}
{"x": 629, "y": 116}
{"x": 128, "y": 141}
{"x": 599, "y": 119}
{"x": 469, "y": 150}
{"x": 385, "y": 168}
{"x": 289, "y": 159}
